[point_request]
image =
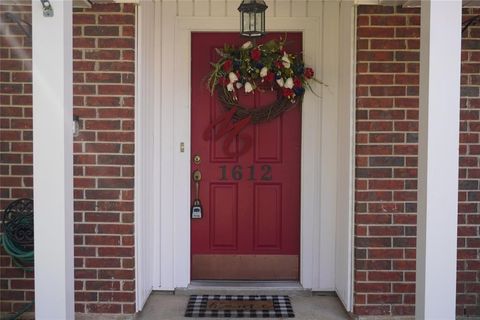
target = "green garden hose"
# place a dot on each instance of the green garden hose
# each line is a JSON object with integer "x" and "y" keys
{"x": 16, "y": 315}
{"x": 21, "y": 258}
{"x": 17, "y": 240}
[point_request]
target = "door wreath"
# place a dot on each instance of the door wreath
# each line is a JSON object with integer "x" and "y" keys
{"x": 257, "y": 68}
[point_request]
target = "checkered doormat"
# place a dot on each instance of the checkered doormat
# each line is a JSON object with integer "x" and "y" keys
{"x": 229, "y": 306}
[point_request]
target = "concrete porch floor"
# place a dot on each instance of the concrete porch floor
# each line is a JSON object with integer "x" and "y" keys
{"x": 167, "y": 306}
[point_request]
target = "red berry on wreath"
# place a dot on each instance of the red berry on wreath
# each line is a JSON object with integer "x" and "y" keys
{"x": 223, "y": 81}
{"x": 227, "y": 66}
{"x": 270, "y": 76}
{"x": 297, "y": 83}
{"x": 309, "y": 73}
{"x": 287, "y": 92}
{"x": 255, "y": 54}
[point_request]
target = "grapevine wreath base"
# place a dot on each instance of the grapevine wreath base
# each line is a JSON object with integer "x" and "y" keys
{"x": 259, "y": 68}
{"x": 256, "y": 115}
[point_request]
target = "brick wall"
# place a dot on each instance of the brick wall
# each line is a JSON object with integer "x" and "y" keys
{"x": 103, "y": 154}
{"x": 16, "y": 286}
{"x": 386, "y": 164}
{"x": 468, "y": 254}
{"x": 104, "y": 43}
{"x": 386, "y": 157}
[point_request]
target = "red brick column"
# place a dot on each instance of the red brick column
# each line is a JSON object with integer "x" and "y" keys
{"x": 386, "y": 164}
{"x": 16, "y": 170}
{"x": 104, "y": 91}
{"x": 468, "y": 254}
{"x": 104, "y": 66}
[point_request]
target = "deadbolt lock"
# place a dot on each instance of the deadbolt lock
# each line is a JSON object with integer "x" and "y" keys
{"x": 197, "y": 159}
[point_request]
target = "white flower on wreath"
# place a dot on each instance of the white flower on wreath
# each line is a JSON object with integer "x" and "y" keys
{"x": 264, "y": 72}
{"x": 289, "y": 83}
{"x": 280, "y": 82}
{"x": 230, "y": 87}
{"x": 248, "y": 87}
{"x": 247, "y": 45}
{"x": 232, "y": 77}
{"x": 238, "y": 85}
{"x": 286, "y": 60}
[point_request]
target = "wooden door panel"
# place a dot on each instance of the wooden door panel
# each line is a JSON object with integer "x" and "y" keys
{"x": 215, "y": 110}
{"x": 224, "y": 214}
{"x": 268, "y": 216}
{"x": 251, "y": 202}
{"x": 268, "y": 150}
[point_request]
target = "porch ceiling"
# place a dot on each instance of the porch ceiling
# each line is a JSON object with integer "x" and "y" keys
{"x": 405, "y": 3}
{"x": 76, "y": 3}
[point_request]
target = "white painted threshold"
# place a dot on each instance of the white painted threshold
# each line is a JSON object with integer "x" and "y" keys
{"x": 292, "y": 288}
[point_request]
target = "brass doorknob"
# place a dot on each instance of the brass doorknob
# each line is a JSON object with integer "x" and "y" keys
{"x": 197, "y": 176}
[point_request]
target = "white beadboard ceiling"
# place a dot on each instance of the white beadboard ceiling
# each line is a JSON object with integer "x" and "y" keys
{"x": 76, "y": 3}
{"x": 404, "y": 3}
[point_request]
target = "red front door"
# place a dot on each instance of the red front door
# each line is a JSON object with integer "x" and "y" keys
{"x": 250, "y": 227}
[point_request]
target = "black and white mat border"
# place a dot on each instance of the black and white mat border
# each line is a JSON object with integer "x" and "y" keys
{"x": 197, "y": 307}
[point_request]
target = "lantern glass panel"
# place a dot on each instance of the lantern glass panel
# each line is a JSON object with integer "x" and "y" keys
{"x": 258, "y": 22}
{"x": 251, "y": 19}
{"x": 245, "y": 22}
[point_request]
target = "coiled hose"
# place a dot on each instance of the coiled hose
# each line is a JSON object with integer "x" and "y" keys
{"x": 17, "y": 240}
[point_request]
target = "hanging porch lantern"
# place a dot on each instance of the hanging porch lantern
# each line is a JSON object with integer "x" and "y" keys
{"x": 252, "y": 18}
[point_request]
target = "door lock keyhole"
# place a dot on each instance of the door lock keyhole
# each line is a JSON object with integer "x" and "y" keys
{"x": 197, "y": 159}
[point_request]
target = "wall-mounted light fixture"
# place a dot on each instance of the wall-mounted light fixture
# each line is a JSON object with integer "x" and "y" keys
{"x": 76, "y": 126}
{"x": 252, "y": 18}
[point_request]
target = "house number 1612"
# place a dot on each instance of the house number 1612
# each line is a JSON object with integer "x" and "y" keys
{"x": 263, "y": 172}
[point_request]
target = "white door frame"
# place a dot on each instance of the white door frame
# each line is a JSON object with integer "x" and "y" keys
{"x": 170, "y": 174}
{"x": 317, "y": 204}
{"x": 166, "y": 178}
{"x": 310, "y": 129}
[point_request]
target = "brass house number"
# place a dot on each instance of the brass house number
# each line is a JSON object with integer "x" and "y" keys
{"x": 250, "y": 173}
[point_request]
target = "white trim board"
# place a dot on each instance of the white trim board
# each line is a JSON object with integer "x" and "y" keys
{"x": 311, "y": 161}
{"x": 317, "y": 235}
{"x": 346, "y": 159}
{"x": 144, "y": 158}
{"x": 171, "y": 167}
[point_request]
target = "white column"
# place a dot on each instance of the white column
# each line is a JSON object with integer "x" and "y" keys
{"x": 145, "y": 231}
{"x": 345, "y": 152}
{"x": 438, "y": 159}
{"x": 52, "y": 161}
